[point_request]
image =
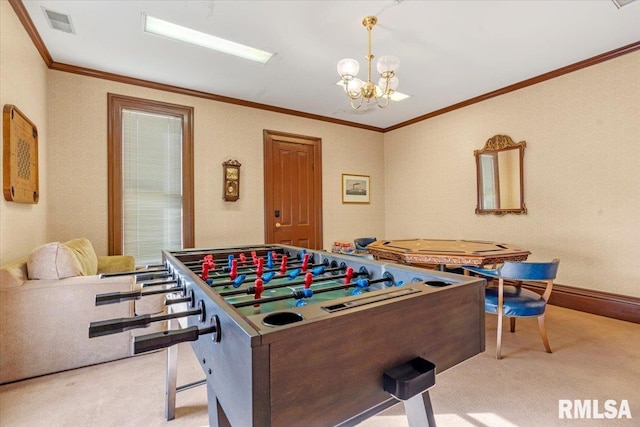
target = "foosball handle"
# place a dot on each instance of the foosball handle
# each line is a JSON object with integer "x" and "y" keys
{"x": 113, "y": 326}
{"x": 116, "y": 297}
{"x": 164, "y": 339}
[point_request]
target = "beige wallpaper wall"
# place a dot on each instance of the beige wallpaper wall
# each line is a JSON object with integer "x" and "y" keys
{"x": 581, "y": 180}
{"x": 582, "y": 185}
{"x": 78, "y": 165}
{"x": 23, "y": 82}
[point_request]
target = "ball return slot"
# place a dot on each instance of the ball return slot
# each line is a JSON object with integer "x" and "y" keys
{"x": 410, "y": 383}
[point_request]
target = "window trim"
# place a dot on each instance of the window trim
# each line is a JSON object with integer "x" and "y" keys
{"x": 115, "y": 105}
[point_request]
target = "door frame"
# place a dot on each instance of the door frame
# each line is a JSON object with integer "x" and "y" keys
{"x": 269, "y": 137}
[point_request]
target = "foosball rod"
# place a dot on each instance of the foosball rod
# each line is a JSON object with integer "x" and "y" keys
{"x": 297, "y": 294}
{"x": 161, "y": 283}
{"x": 114, "y": 326}
{"x": 328, "y": 270}
{"x": 214, "y": 275}
{"x": 228, "y": 251}
{"x": 115, "y": 297}
{"x": 251, "y": 290}
{"x": 249, "y": 265}
{"x": 148, "y": 270}
{"x": 226, "y": 260}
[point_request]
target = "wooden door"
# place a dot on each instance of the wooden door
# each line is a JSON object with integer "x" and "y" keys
{"x": 293, "y": 189}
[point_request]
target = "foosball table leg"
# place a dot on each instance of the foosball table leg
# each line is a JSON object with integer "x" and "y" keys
{"x": 410, "y": 383}
{"x": 419, "y": 411}
{"x": 172, "y": 387}
{"x": 171, "y": 380}
{"x": 217, "y": 417}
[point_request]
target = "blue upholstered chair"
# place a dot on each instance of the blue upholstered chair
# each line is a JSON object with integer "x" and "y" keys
{"x": 514, "y": 301}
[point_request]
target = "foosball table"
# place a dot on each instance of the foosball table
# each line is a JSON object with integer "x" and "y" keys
{"x": 294, "y": 337}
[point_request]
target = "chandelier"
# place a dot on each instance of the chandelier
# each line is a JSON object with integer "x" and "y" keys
{"x": 359, "y": 91}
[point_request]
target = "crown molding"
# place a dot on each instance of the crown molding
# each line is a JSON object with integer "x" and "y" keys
{"x": 612, "y": 54}
{"x": 31, "y": 30}
{"x": 199, "y": 94}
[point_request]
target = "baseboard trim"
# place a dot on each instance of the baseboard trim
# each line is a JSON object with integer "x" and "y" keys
{"x": 595, "y": 302}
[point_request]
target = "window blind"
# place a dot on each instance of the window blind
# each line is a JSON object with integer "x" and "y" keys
{"x": 152, "y": 184}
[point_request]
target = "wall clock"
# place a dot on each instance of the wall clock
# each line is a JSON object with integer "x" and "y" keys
{"x": 231, "y": 180}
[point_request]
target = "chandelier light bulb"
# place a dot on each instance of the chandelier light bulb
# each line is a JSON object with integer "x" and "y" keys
{"x": 388, "y": 63}
{"x": 390, "y": 85}
{"x": 353, "y": 86}
{"x": 348, "y": 68}
{"x": 393, "y": 83}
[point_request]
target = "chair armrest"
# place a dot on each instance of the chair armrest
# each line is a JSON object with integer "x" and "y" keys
{"x": 116, "y": 263}
{"x": 483, "y": 271}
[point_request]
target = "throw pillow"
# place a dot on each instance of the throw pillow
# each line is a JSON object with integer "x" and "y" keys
{"x": 83, "y": 249}
{"x": 53, "y": 261}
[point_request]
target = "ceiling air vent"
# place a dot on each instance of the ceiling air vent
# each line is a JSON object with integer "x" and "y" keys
{"x": 59, "y": 21}
{"x": 620, "y": 3}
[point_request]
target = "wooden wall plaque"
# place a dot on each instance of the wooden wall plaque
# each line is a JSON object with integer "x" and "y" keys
{"x": 20, "y": 157}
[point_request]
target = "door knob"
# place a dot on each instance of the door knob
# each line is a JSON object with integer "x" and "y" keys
{"x": 278, "y": 225}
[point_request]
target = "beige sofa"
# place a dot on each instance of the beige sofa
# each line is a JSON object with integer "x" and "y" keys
{"x": 47, "y": 301}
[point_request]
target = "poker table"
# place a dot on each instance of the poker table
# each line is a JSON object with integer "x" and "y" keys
{"x": 439, "y": 253}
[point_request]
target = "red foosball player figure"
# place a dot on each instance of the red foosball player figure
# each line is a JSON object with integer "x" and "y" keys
{"x": 258, "y": 285}
{"x": 207, "y": 265}
{"x": 348, "y": 276}
{"x": 308, "y": 280}
{"x": 283, "y": 265}
{"x": 260, "y": 268}
{"x": 234, "y": 269}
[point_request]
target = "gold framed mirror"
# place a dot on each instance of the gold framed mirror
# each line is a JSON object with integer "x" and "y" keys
{"x": 500, "y": 176}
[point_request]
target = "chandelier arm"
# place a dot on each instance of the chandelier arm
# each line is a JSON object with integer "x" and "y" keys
{"x": 385, "y": 90}
{"x": 355, "y": 107}
{"x": 386, "y": 104}
{"x": 352, "y": 94}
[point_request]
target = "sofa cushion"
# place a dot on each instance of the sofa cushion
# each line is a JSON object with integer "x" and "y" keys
{"x": 116, "y": 263}
{"x": 13, "y": 274}
{"x": 53, "y": 261}
{"x": 86, "y": 255}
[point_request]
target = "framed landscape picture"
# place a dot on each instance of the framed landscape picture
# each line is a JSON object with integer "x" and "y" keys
{"x": 356, "y": 188}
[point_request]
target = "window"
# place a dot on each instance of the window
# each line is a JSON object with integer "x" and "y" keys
{"x": 150, "y": 177}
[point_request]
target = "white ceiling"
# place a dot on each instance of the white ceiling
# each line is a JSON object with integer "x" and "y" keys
{"x": 450, "y": 51}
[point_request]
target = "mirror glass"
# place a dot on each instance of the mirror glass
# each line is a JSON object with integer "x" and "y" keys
{"x": 500, "y": 176}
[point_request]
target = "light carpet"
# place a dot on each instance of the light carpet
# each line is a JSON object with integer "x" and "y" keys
{"x": 594, "y": 358}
